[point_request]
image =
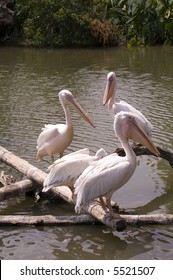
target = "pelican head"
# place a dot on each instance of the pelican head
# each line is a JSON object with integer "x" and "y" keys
{"x": 125, "y": 124}
{"x": 110, "y": 87}
{"x": 67, "y": 98}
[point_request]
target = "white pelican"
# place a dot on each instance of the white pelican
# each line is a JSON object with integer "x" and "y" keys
{"x": 107, "y": 175}
{"x": 116, "y": 107}
{"x": 54, "y": 139}
{"x": 65, "y": 171}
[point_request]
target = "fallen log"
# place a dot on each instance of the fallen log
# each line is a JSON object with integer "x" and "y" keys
{"x": 49, "y": 220}
{"x": 158, "y": 219}
{"x": 38, "y": 176}
{"x": 16, "y": 189}
{"x": 46, "y": 220}
{"x": 141, "y": 150}
{"x": 31, "y": 172}
{"x": 95, "y": 209}
{"x": 22, "y": 166}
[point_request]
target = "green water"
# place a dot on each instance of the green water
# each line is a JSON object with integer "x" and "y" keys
{"x": 29, "y": 84}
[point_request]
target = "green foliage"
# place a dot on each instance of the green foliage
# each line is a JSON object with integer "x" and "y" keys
{"x": 54, "y": 23}
{"x": 145, "y": 22}
{"x": 58, "y": 23}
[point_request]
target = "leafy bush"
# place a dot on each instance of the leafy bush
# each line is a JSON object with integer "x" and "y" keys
{"x": 63, "y": 23}
{"x": 145, "y": 22}
{"x": 58, "y": 23}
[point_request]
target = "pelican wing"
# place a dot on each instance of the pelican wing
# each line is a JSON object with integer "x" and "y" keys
{"x": 77, "y": 154}
{"x": 66, "y": 172}
{"x": 123, "y": 106}
{"x": 129, "y": 108}
{"x": 102, "y": 179}
{"x": 46, "y": 136}
{"x": 81, "y": 152}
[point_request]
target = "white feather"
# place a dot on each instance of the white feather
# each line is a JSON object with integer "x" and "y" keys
{"x": 110, "y": 173}
{"x": 122, "y": 106}
{"x": 54, "y": 139}
{"x": 66, "y": 170}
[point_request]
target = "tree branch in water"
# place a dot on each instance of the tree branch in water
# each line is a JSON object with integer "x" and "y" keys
{"x": 141, "y": 150}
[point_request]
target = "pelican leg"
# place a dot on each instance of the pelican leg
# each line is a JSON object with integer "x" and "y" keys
{"x": 73, "y": 195}
{"x": 103, "y": 204}
{"x": 112, "y": 214}
{"x": 52, "y": 158}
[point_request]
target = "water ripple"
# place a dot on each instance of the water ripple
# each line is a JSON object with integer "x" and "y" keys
{"x": 30, "y": 82}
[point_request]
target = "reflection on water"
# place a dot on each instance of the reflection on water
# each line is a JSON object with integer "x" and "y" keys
{"x": 29, "y": 84}
{"x": 87, "y": 242}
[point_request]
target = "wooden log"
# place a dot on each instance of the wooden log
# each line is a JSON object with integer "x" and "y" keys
{"x": 49, "y": 220}
{"x": 23, "y": 166}
{"x": 159, "y": 219}
{"x": 63, "y": 192}
{"x": 16, "y": 189}
{"x": 33, "y": 173}
{"x": 96, "y": 210}
{"x": 38, "y": 176}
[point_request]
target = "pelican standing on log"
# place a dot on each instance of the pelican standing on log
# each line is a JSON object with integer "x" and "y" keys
{"x": 109, "y": 174}
{"x": 65, "y": 171}
{"x": 54, "y": 139}
{"x": 116, "y": 107}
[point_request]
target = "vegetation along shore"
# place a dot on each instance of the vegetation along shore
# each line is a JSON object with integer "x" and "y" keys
{"x": 87, "y": 23}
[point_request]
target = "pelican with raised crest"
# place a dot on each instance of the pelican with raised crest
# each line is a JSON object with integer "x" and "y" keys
{"x": 54, "y": 139}
{"x": 109, "y": 174}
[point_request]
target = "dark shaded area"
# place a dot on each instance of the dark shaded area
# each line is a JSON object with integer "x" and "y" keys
{"x": 7, "y": 15}
{"x": 140, "y": 150}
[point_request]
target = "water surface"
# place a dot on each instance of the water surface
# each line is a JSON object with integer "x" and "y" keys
{"x": 30, "y": 80}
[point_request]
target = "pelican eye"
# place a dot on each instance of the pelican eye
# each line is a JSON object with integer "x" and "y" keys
{"x": 110, "y": 79}
{"x": 68, "y": 96}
